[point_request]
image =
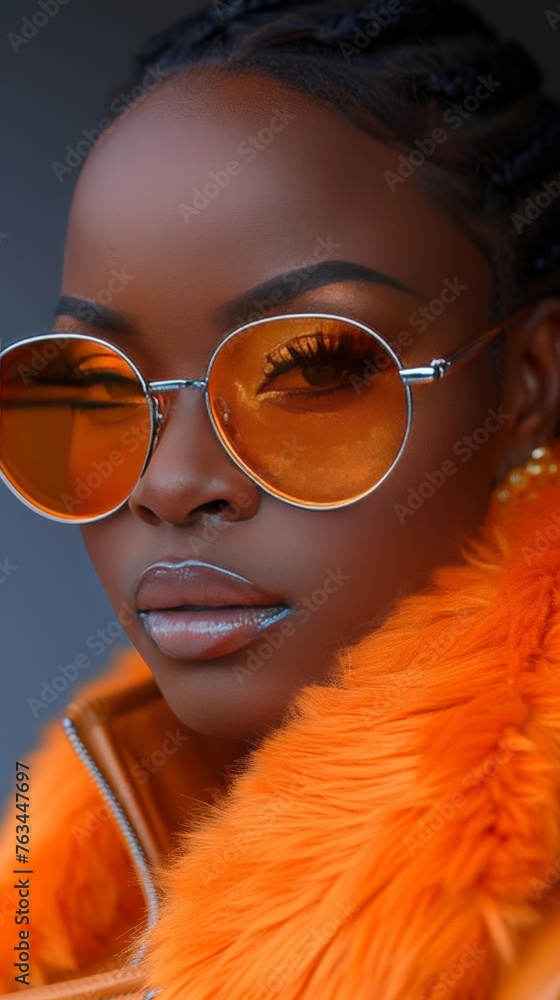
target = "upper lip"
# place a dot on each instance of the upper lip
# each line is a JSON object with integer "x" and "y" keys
{"x": 174, "y": 584}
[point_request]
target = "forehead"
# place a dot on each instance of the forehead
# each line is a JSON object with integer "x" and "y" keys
{"x": 215, "y": 183}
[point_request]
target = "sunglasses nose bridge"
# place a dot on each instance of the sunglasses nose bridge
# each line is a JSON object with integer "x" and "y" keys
{"x": 159, "y": 389}
{"x": 168, "y": 385}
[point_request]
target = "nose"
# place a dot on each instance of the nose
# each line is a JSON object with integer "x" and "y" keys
{"x": 189, "y": 473}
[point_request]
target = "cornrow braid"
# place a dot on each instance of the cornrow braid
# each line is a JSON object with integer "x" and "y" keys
{"x": 508, "y": 62}
{"x": 398, "y": 75}
{"x": 226, "y": 24}
{"x": 526, "y": 156}
{"x": 330, "y": 24}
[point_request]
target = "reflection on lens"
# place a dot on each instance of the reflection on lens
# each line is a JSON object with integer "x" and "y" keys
{"x": 74, "y": 426}
{"x": 319, "y": 410}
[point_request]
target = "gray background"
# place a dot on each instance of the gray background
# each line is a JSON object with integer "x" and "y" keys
{"x": 53, "y": 87}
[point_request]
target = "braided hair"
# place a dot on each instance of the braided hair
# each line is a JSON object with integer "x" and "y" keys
{"x": 399, "y": 69}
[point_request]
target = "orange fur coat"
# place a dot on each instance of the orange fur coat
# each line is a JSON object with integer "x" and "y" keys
{"x": 397, "y": 838}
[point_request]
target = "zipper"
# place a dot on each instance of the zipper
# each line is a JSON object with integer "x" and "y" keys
{"x": 131, "y": 840}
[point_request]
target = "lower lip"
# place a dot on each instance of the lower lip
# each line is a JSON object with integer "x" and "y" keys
{"x": 209, "y": 632}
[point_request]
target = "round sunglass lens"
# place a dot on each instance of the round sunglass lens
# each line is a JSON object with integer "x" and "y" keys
{"x": 74, "y": 426}
{"x": 312, "y": 407}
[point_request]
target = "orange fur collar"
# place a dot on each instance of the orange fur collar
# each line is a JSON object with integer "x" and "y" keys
{"x": 394, "y": 837}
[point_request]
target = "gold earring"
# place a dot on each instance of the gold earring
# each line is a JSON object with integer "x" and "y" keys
{"x": 524, "y": 481}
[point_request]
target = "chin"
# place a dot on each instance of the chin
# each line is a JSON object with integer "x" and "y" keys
{"x": 216, "y": 713}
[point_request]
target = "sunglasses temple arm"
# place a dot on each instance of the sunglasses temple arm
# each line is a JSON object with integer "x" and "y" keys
{"x": 439, "y": 367}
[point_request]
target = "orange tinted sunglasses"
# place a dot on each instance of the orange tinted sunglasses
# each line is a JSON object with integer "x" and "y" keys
{"x": 315, "y": 408}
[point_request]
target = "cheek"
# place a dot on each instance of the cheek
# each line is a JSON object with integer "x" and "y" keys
{"x": 349, "y": 565}
{"x": 442, "y": 486}
{"x": 436, "y": 495}
{"x": 116, "y": 553}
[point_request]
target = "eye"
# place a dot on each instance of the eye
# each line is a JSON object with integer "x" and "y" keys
{"x": 320, "y": 364}
{"x": 106, "y": 394}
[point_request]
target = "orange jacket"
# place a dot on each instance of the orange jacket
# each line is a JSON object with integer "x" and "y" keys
{"x": 397, "y": 838}
{"x": 81, "y": 903}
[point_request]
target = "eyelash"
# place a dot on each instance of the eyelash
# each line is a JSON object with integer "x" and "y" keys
{"x": 346, "y": 351}
{"x": 316, "y": 349}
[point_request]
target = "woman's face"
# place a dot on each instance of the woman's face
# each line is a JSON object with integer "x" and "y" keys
{"x": 309, "y": 188}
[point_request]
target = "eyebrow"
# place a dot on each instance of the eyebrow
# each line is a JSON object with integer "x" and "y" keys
{"x": 101, "y": 317}
{"x": 283, "y": 287}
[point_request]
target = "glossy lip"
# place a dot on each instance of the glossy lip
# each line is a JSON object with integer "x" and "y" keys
{"x": 194, "y": 610}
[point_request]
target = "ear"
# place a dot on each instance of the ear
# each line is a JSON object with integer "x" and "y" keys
{"x": 531, "y": 373}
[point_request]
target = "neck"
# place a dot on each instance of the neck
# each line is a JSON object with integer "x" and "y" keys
{"x": 224, "y": 756}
